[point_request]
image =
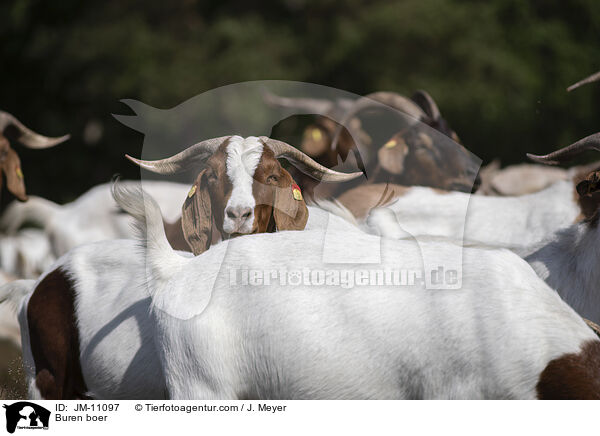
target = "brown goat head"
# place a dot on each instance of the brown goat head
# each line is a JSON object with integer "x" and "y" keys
{"x": 425, "y": 152}
{"x": 242, "y": 188}
{"x": 10, "y": 164}
{"x": 418, "y": 155}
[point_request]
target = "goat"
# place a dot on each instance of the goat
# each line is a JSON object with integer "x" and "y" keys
{"x": 9, "y": 326}
{"x": 26, "y": 254}
{"x": 10, "y": 164}
{"x": 243, "y": 189}
{"x": 567, "y": 260}
{"x": 500, "y": 336}
{"x": 425, "y": 153}
{"x": 93, "y": 216}
{"x": 508, "y": 222}
{"x": 565, "y": 256}
{"x": 522, "y": 179}
{"x": 106, "y": 349}
{"x": 419, "y": 154}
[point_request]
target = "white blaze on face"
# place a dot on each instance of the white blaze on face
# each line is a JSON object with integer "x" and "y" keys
{"x": 243, "y": 156}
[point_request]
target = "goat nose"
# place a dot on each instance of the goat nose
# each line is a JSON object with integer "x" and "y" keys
{"x": 239, "y": 213}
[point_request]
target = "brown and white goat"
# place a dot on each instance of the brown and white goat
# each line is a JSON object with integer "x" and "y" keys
{"x": 416, "y": 155}
{"x": 10, "y": 164}
{"x": 427, "y": 152}
{"x": 242, "y": 188}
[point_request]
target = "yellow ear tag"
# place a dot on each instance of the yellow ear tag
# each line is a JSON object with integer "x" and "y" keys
{"x": 19, "y": 173}
{"x": 192, "y": 191}
{"x": 391, "y": 143}
{"x": 316, "y": 135}
{"x": 296, "y": 193}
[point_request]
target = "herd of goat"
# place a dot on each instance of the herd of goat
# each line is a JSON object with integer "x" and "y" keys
{"x": 127, "y": 293}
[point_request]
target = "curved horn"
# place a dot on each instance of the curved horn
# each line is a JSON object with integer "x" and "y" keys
{"x": 591, "y": 142}
{"x": 182, "y": 160}
{"x": 427, "y": 103}
{"x": 380, "y": 100}
{"x": 312, "y": 105}
{"x": 593, "y": 78}
{"x": 305, "y": 164}
{"x": 27, "y": 136}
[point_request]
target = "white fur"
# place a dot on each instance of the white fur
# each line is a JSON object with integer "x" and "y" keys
{"x": 118, "y": 356}
{"x": 93, "y": 216}
{"x": 508, "y": 222}
{"x": 563, "y": 253}
{"x": 243, "y": 156}
{"x": 490, "y": 339}
{"x": 568, "y": 261}
{"x": 26, "y": 254}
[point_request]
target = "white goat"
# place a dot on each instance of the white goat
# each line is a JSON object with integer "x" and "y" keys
{"x": 93, "y": 216}
{"x": 565, "y": 258}
{"x": 118, "y": 359}
{"x": 26, "y": 254}
{"x": 9, "y": 325}
{"x": 500, "y": 336}
{"x": 523, "y": 179}
{"x": 508, "y": 222}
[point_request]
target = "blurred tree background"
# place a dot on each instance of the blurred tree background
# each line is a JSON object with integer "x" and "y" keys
{"x": 498, "y": 69}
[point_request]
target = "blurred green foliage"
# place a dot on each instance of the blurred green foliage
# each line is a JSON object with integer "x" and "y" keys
{"x": 498, "y": 69}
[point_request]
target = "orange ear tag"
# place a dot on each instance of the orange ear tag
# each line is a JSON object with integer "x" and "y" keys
{"x": 296, "y": 192}
{"x": 390, "y": 144}
{"x": 192, "y": 191}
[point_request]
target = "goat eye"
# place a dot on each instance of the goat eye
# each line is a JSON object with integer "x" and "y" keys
{"x": 272, "y": 179}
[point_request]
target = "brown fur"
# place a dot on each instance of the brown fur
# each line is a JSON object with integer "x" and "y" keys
{"x": 362, "y": 199}
{"x": 587, "y": 194}
{"x": 54, "y": 338}
{"x": 10, "y": 165}
{"x": 415, "y": 160}
{"x": 273, "y": 190}
{"x": 573, "y": 376}
{"x": 320, "y": 150}
{"x": 276, "y": 209}
{"x": 175, "y": 236}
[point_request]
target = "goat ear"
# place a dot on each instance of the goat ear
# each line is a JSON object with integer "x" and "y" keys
{"x": 15, "y": 181}
{"x": 391, "y": 156}
{"x": 196, "y": 216}
{"x": 289, "y": 210}
{"x": 428, "y": 104}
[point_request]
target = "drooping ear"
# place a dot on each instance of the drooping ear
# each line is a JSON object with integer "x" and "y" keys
{"x": 289, "y": 210}
{"x": 392, "y": 155}
{"x": 15, "y": 181}
{"x": 196, "y": 216}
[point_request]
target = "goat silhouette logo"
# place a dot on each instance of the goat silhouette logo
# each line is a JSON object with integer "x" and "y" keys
{"x": 26, "y": 415}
